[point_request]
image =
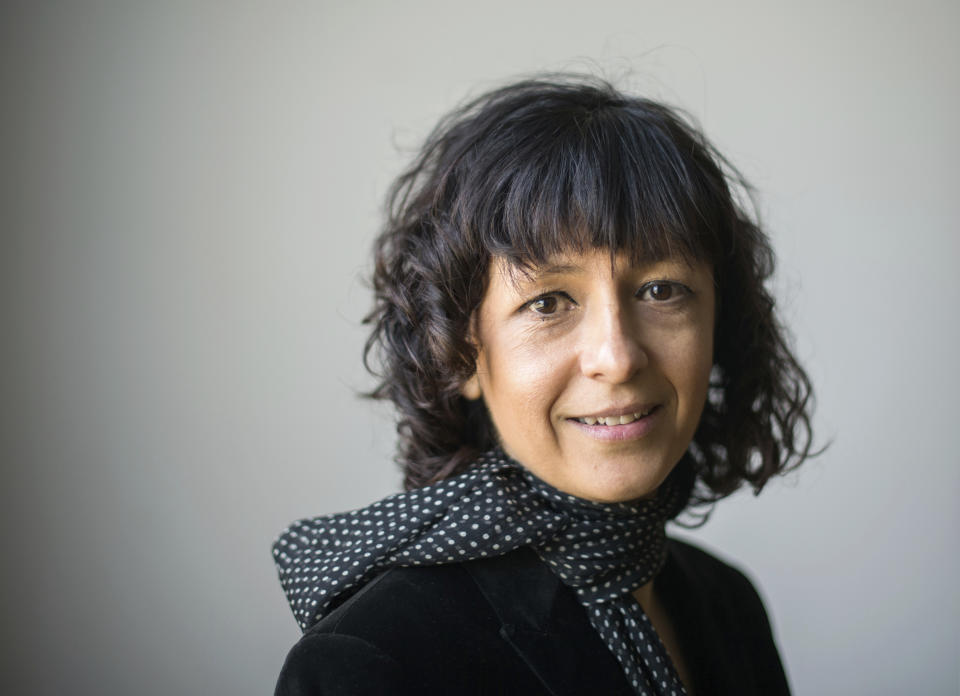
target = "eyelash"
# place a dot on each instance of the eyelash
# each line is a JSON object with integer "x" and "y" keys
{"x": 555, "y": 295}
{"x": 644, "y": 289}
{"x": 671, "y": 284}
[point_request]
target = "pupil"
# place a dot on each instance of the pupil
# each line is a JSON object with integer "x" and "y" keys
{"x": 546, "y": 305}
{"x": 661, "y": 292}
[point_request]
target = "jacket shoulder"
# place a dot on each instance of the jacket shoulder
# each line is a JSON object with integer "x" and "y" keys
{"x": 725, "y": 620}
{"x": 709, "y": 571}
{"x": 719, "y": 584}
{"x": 410, "y": 630}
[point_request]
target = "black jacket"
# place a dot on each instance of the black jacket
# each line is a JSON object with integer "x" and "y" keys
{"x": 507, "y": 625}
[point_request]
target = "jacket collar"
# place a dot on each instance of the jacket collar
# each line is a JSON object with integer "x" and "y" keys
{"x": 545, "y": 623}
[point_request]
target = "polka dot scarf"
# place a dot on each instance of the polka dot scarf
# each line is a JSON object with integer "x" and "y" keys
{"x": 603, "y": 551}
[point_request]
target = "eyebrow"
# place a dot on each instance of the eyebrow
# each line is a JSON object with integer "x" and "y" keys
{"x": 558, "y": 269}
{"x": 518, "y": 275}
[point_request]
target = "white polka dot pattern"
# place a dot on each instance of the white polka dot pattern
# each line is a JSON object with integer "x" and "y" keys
{"x": 602, "y": 551}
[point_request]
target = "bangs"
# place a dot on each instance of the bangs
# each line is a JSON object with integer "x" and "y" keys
{"x": 618, "y": 176}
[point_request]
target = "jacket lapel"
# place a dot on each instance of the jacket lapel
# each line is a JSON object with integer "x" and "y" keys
{"x": 548, "y": 627}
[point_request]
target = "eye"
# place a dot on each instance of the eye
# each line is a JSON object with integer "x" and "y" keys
{"x": 544, "y": 305}
{"x": 549, "y": 304}
{"x": 662, "y": 291}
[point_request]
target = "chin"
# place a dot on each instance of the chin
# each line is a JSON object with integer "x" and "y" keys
{"x": 618, "y": 491}
{"x": 614, "y": 486}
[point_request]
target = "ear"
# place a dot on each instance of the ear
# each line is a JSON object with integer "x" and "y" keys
{"x": 471, "y": 388}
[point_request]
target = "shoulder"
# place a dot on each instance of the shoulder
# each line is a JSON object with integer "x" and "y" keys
{"x": 725, "y": 621}
{"x": 410, "y": 630}
{"x": 717, "y": 583}
{"x": 707, "y": 571}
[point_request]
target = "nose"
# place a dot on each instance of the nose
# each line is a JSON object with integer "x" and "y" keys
{"x": 611, "y": 347}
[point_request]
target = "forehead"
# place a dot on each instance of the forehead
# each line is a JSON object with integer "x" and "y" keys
{"x": 595, "y": 263}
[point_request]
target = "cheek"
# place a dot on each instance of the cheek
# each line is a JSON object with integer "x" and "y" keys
{"x": 697, "y": 369}
{"x": 688, "y": 361}
{"x": 520, "y": 383}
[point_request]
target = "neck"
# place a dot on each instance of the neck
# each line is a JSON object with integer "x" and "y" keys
{"x": 644, "y": 595}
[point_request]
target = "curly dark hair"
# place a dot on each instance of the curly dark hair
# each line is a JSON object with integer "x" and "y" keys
{"x": 560, "y": 163}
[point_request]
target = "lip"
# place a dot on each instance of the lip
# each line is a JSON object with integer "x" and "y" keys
{"x": 619, "y": 433}
{"x": 626, "y": 410}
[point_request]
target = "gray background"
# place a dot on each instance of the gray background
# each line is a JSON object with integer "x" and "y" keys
{"x": 190, "y": 192}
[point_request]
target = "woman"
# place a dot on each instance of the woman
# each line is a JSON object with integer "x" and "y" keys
{"x": 572, "y": 322}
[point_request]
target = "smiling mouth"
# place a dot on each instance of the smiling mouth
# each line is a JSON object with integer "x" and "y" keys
{"x": 616, "y": 420}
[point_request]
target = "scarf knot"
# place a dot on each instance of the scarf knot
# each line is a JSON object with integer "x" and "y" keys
{"x": 605, "y": 550}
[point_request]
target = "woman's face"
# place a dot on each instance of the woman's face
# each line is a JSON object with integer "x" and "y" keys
{"x": 595, "y": 375}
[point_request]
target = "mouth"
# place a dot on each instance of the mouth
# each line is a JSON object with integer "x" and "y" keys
{"x": 620, "y": 425}
{"x": 617, "y": 418}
